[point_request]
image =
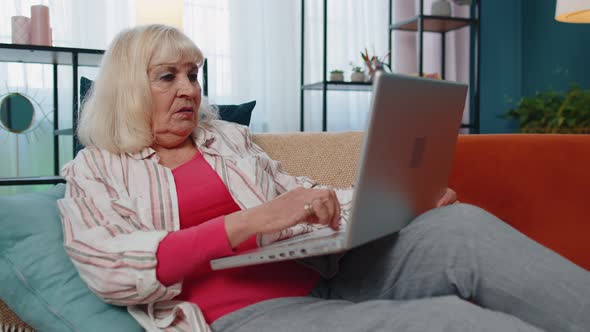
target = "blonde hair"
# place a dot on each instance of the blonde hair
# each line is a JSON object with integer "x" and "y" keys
{"x": 117, "y": 113}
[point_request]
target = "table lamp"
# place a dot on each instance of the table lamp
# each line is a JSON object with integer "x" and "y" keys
{"x": 160, "y": 12}
{"x": 443, "y": 7}
{"x": 573, "y": 11}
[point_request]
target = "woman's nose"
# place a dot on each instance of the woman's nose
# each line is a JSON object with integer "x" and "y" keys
{"x": 187, "y": 88}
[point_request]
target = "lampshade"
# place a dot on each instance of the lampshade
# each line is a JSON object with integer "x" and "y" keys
{"x": 573, "y": 11}
{"x": 157, "y": 11}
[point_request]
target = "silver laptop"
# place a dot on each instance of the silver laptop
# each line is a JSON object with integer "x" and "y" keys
{"x": 404, "y": 168}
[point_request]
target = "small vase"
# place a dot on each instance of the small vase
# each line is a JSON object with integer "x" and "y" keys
{"x": 357, "y": 77}
{"x": 21, "y": 30}
{"x": 40, "y": 28}
{"x": 336, "y": 77}
{"x": 441, "y": 8}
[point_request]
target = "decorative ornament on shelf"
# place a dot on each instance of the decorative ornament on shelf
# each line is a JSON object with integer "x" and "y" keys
{"x": 21, "y": 30}
{"x": 375, "y": 63}
{"x": 337, "y": 75}
{"x": 434, "y": 76}
{"x": 23, "y": 112}
{"x": 358, "y": 74}
{"x": 35, "y": 30}
{"x": 572, "y": 11}
{"x": 40, "y": 27}
{"x": 443, "y": 7}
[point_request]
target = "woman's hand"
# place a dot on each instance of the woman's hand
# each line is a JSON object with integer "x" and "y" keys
{"x": 450, "y": 197}
{"x": 318, "y": 206}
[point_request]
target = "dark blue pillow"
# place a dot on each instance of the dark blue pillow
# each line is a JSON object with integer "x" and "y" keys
{"x": 237, "y": 113}
{"x": 85, "y": 85}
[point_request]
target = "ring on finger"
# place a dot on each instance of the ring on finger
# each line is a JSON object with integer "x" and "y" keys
{"x": 308, "y": 209}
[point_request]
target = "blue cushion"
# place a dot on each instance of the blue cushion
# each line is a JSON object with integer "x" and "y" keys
{"x": 85, "y": 85}
{"x": 38, "y": 280}
{"x": 237, "y": 113}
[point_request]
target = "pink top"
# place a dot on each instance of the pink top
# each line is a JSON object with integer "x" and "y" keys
{"x": 203, "y": 201}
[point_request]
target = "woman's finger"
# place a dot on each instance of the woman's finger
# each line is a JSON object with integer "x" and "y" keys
{"x": 308, "y": 214}
{"x": 453, "y": 195}
{"x": 321, "y": 210}
{"x": 336, "y": 218}
{"x": 329, "y": 201}
{"x": 448, "y": 198}
{"x": 333, "y": 207}
{"x": 443, "y": 200}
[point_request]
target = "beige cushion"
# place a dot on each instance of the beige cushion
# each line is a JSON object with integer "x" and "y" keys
{"x": 329, "y": 158}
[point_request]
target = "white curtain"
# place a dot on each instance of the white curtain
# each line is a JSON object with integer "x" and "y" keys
{"x": 353, "y": 26}
{"x": 253, "y": 49}
{"x": 254, "y": 46}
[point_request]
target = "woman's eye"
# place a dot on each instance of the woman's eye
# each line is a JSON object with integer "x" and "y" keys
{"x": 192, "y": 77}
{"x": 167, "y": 77}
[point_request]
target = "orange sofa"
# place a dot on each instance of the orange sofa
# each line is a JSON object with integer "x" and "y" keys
{"x": 539, "y": 184}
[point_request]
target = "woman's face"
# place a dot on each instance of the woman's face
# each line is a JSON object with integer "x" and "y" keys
{"x": 176, "y": 96}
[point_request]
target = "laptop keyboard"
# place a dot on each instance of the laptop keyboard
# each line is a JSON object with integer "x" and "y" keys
{"x": 316, "y": 236}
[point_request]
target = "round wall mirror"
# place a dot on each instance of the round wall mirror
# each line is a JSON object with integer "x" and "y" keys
{"x": 16, "y": 113}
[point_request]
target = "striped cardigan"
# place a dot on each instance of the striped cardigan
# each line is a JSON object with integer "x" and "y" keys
{"x": 118, "y": 207}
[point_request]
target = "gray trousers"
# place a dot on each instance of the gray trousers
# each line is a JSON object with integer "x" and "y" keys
{"x": 456, "y": 268}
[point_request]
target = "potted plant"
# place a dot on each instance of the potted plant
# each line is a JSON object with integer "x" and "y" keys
{"x": 554, "y": 112}
{"x": 358, "y": 74}
{"x": 337, "y": 75}
{"x": 374, "y": 63}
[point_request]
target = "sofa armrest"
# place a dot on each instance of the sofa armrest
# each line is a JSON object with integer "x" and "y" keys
{"x": 539, "y": 184}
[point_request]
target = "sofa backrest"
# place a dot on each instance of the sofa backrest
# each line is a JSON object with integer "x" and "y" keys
{"x": 329, "y": 158}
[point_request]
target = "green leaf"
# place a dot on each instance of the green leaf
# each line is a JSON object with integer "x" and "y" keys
{"x": 553, "y": 111}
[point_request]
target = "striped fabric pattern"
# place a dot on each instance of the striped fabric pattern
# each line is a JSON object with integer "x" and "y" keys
{"x": 118, "y": 207}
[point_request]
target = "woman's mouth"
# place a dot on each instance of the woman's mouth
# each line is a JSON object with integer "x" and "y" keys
{"x": 185, "y": 110}
{"x": 185, "y": 113}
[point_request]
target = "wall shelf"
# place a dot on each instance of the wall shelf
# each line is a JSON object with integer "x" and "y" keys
{"x": 56, "y": 56}
{"x": 442, "y": 25}
{"x": 31, "y": 180}
{"x": 433, "y": 23}
{"x": 49, "y": 55}
{"x": 325, "y": 85}
{"x": 418, "y": 24}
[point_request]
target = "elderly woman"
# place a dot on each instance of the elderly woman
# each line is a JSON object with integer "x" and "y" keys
{"x": 163, "y": 187}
